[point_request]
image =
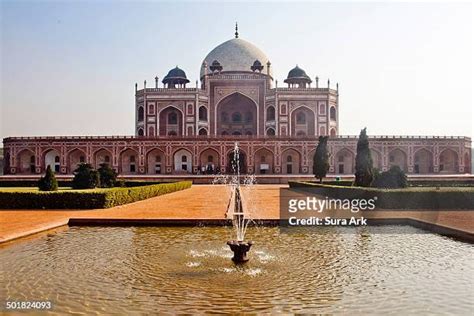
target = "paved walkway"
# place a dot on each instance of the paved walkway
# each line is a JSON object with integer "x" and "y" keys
{"x": 199, "y": 202}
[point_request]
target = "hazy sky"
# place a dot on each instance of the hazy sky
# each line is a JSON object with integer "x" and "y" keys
{"x": 69, "y": 68}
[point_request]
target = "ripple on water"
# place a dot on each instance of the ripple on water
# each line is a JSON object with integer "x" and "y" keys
{"x": 188, "y": 270}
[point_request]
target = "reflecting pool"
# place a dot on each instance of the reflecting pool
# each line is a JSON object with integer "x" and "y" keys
{"x": 393, "y": 269}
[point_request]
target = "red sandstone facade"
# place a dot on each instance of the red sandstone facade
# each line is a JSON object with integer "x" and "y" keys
{"x": 261, "y": 155}
{"x": 182, "y": 130}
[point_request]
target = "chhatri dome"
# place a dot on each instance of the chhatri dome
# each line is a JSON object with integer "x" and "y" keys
{"x": 235, "y": 55}
{"x": 175, "y": 76}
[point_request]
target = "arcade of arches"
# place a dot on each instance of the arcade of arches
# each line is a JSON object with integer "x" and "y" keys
{"x": 264, "y": 159}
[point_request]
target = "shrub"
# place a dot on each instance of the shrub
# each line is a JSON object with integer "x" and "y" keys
{"x": 94, "y": 199}
{"x": 48, "y": 182}
{"x": 392, "y": 179}
{"x": 107, "y": 175}
{"x": 85, "y": 177}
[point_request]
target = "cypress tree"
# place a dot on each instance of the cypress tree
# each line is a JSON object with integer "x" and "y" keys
{"x": 321, "y": 159}
{"x": 48, "y": 182}
{"x": 364, "y": 173}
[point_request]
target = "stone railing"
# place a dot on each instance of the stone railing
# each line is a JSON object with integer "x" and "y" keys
{"x": 296, "y": 89}
{"x": 168, "y": 90}
{"x": 214, "y": 76}
{"x": 227, "y": 137}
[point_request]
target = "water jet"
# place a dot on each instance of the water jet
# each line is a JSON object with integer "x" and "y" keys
{"x": 236, "y": 211}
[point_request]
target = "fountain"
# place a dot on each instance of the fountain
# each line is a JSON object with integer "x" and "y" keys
{"x": 236, "y": 211}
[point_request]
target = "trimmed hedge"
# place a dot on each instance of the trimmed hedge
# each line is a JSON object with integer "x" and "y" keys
{"x": 342, "y": 183}
{"x": 441, "y": 183}
{"x": 411, "y": 183}
{"x": 87, "y": 199}
{"x": 408, "y": 198}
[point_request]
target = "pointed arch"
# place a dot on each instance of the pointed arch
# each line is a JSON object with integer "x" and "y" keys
{"x": 270, "y": 113}
{"x": 202, "y": 113}
{"x": 290, "y": 161}
{"x": 52, "y": 158}
{"x": 140, "y": 114}
{"x": 155, "y": 161}
{"x": 25, "y": 161}
{"x": 333, "y": 113}
{"x": 101, "y": 156}
{"x": 183, "y": 161}
{"x": 376, "y": 159}
{"x": 151, "y": 131}
{"x": 423, "y": 161}
{"x": 344, "y": 161}
{"x": 233, "y": 106}
{"x": 230, "y": 161}
{"x": 448, "y": 161}
{"x": 209, "y": 160}
{"x": 302, "y": 121}
{"x": 128, "y": 161}
{"x": 170, "y": 121}
{"x": 203, "y": 131}
{"x": 398, "y": 157}
{"x": 264, "y": 160}
{"x": 270, "y": 131}
{"x": 75, "y": 157}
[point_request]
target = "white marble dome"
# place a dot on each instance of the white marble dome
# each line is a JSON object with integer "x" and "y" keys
{"x": 236, "y": 55}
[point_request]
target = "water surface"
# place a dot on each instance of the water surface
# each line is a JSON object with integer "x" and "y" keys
{"x": 390, "y": 269}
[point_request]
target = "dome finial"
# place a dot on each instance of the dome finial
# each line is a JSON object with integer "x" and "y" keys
{"x": 236, "y": 30}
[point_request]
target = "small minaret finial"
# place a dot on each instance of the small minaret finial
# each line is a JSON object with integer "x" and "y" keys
{"x": 236, "y": 30}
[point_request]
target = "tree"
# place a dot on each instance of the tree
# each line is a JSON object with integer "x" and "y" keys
{"x": 107, "y": 175}
{"x": 48, "y": 182}
{"x": 321, "y": 159}
{"x": 85, "y": 177}
{"x": 394, "y": 178}
{"x": 364, "y": 165}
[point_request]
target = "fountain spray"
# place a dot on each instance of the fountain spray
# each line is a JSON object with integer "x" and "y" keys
{"x": 239, "y": 220}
